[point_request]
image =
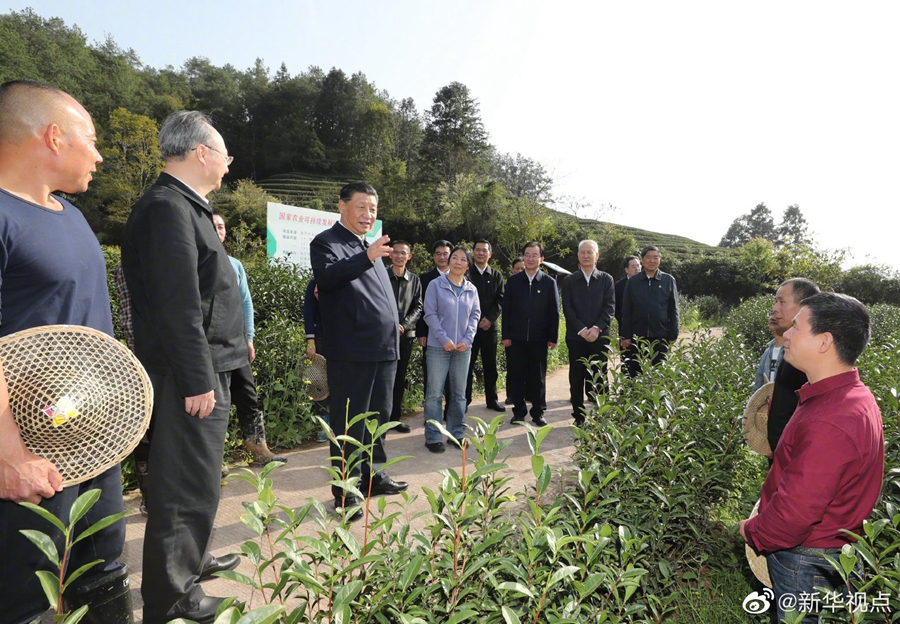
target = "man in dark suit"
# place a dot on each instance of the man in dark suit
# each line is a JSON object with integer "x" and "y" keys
{"x": 489, "y": 283}
{"x": 189, "y": 335}
{"x": 359, "y": 318}
{"x": 408, "y": 293}
{"x": 632, "y": 266}
{"x": 440, "y": 252}
{"x": 588, "y": 301}
{"x": 530, "y": 327}
{"x": 649, "y": 312}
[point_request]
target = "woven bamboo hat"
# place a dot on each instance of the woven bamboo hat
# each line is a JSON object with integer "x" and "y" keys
{"x": 758, "y": 563}
{"x": 317, "y": 378}
{"x": 756, "y": 420}
{"x": 80, "y": 398}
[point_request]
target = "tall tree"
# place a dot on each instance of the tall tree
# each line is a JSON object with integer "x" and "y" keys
{"x": 454, "y": 140}
{"x": 131, "y": 163}
{"x": 523, "y": 177}
{"x": 758, "y": 223}
{"x": 793, "y": 227}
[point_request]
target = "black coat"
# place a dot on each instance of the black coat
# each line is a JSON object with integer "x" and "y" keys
{"x": 187, "y": 313}
{"x": 784, "y": 400}
{"x": 586, "y": 304}
{"x": 531, "y": 309}
{"x": 650, "y": 307}
{"x": 409, "y": 297}
{"x": 490, "y": 294}
{"x": 425, "y": 279}
{"x": 359, "y": 312}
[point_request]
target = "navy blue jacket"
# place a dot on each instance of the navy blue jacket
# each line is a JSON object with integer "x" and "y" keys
{"x": 359, "y": 312}
{"x": 531, "y": 309}
{"x": 650, "y": 307}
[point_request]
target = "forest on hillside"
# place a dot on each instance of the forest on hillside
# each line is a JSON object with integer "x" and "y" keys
{"x": 296, "y": 138}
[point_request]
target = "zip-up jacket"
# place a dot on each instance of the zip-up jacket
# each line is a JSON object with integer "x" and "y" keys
{"x": 650, "y": 307}
{"x": 450, "y": 317}
{"x": 531, "y": 308}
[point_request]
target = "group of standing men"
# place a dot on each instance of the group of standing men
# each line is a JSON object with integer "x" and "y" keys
{"x": 189, "y": 335}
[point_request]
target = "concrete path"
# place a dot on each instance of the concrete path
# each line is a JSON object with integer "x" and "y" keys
{"x": 303, "y": 478}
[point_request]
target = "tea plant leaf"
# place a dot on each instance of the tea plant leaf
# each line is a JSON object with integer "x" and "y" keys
{"x": 562, "y": 573}
{"x": 537, "y": 465}
{"x": 237, "y": 577}
{"x": 77, "y": 573}
{"x": 82, "y": 505}
{"x": 46, "y": 545}
{"x": 262, "y": 615}
{"x": 348, "y": 540}
{"x": 76, "y": 616}
{"x": 50, "y": 585}
{"x": 100, "y": 525}
{"x": 516, "y": 587}
{"x": 46, "y": 515}
{"x": 509, "y": 616}
{"x": 462, "y": 616}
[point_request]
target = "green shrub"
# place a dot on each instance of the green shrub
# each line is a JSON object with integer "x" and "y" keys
{"x": 748, "y": 322}
{"x": 885, "y": 323}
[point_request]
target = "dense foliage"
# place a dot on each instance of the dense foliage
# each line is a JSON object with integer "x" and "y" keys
{"x": 643, "y": 531}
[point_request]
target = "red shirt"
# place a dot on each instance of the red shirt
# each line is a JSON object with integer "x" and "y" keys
{"x": 827, "y": 471}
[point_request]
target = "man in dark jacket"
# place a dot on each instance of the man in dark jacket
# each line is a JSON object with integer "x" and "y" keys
{"x": 189, "y": 335}
{"x": 408, "y": 293}
{"x": 489, "y": 283}
{"x": 632, "y": 266}
{"x": 588, "y": 301}
{"x": 359, "y": 320}
{"x": 530, "y": 327}
{"x": 649, "y": 312}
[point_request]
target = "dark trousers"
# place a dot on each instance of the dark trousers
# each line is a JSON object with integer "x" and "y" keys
{"x": 183, "y": 497}
{"x": 526, "y": 371}
{"x": 357, "y": 388}
{"x": 581, "y": 377}
{"x": 21, "y": 598}
{"x": 485, "y": 343}
{"x": 400, "y": 383}
{"x": 660, "y": 353}
{"x": 246, "y": 403}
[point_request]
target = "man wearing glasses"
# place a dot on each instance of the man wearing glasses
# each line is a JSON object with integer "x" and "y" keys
{"x": 441, "y": 255}
{"x": 189, "y": 334}
{"x": 408, "y": 293}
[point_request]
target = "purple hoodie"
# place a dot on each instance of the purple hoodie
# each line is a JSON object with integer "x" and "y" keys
{"x": 450, "y": 317}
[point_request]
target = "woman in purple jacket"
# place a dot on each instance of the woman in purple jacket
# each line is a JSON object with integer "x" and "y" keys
{"x": 451, "y": 312}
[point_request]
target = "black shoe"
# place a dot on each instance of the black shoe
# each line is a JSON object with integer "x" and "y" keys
{"x": 450, "y": 442}
{"x": 401, "y": 428}
{"x": 517, "y": 419}
{"x": 493, "y": 405}
{"x": 539, "y": 421}
{"x": 219, "y": 564}
{"x": 342, "y": 504}
{"x": 384, "y": 485}
{"x": 436, "y": 447}
{"x": 204, "y": 613}
{"x": 508, "y": 401}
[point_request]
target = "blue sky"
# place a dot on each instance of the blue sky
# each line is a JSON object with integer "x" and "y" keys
{"x": 675, "y": 117}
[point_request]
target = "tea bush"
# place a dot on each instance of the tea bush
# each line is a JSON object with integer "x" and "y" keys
{"x": 748, "y": 322}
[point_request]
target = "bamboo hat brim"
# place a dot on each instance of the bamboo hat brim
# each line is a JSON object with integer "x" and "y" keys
{"x": 756, "y": 420}
{"x": 317, "y": 379}
{"x": 758, "y": 563}
{"x": 80, "y": 398}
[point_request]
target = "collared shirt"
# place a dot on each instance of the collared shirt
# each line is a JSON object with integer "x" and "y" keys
{"x": 587, "y": 275}
{"x": 480, "y": 270}
{"x": 191, "y": 188}
{"x": 827, "y": 471}
{"x": 362, "y": 238}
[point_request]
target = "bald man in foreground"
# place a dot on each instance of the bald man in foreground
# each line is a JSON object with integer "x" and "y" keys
{"x": 52, "y": 271}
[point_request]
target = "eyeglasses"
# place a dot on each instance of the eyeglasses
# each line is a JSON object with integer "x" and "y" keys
{"x": 228, "y": 159}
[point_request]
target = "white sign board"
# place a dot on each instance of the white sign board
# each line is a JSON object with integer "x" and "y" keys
{"x": 290, "y": 230}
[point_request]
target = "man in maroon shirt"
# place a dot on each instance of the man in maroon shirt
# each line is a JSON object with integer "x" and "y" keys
{"x": 829, "y": 463}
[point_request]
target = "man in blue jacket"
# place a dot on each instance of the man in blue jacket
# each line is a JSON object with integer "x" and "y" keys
{"x": 649, "y": 312}
{"x": 359, "y": 318}
{"x": 530, "y": 326}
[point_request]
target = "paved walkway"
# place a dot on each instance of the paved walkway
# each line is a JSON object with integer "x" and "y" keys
{"x": 303, "y": 478}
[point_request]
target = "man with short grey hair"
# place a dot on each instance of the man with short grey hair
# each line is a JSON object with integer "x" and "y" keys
{"x": 189, "y": 335}
{"x": 588, "y": 301}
